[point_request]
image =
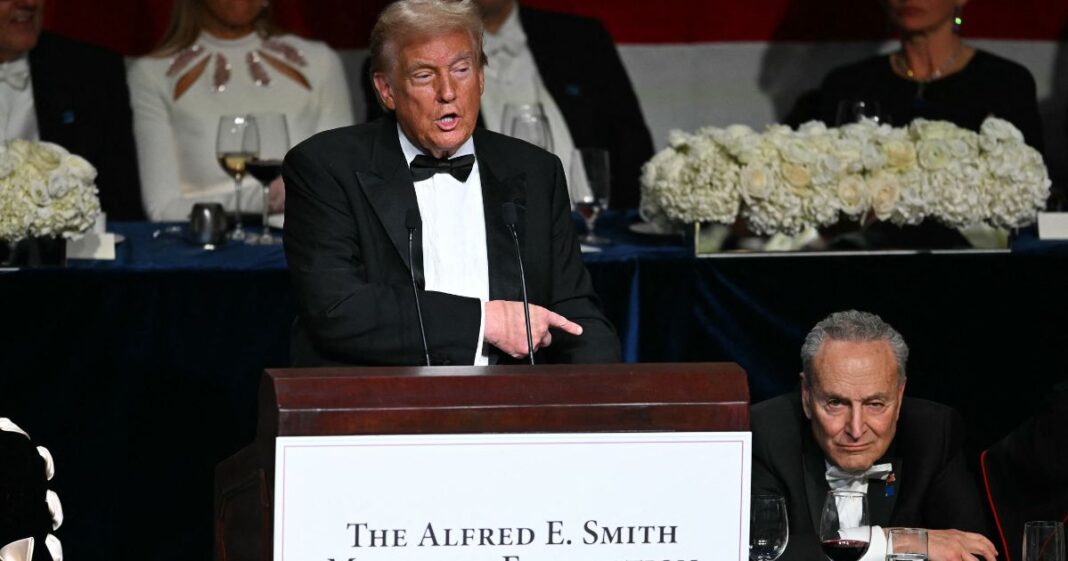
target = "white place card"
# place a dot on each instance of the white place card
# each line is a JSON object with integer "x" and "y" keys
{"x": 92, "y": 245}
{"x": 1053, "y": 225}
{"x": 513, "y": 497}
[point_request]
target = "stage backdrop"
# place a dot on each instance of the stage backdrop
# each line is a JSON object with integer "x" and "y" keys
{"x": 693, "y": 62}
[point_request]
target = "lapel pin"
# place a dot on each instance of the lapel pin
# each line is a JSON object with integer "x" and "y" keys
{"x": 889, "y": 489}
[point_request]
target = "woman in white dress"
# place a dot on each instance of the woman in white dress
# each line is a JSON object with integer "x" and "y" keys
{"x": 223, "y": 57}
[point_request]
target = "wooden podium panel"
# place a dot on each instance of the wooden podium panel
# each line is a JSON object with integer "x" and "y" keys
{"x": 461, "y": 400}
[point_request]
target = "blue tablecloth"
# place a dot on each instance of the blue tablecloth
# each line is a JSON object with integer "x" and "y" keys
{"x": 140, "y": 374}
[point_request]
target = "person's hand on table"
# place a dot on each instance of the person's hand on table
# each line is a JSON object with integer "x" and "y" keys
{"x": 276, "y": 196}
{"x": 506, "y": 326}
{"x": 955, "y": 545}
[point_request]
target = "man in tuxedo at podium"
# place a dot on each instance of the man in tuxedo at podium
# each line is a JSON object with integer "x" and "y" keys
{"x": 852, "y": 428}
{"x": 420, "y": 197}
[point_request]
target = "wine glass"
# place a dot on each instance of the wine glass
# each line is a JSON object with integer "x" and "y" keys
{"x": 1043, "y": 541}
{"x": 769, "y": 530}
{"x": 906, "y": 544}
{"x": 856, "y": 110}
{"x": 235, "y": 144}
{"x": 844, "y": 528}
{"x": 513, "y": 110}
{"x": 266, "y": 165}
{"x": 590, "y": 189}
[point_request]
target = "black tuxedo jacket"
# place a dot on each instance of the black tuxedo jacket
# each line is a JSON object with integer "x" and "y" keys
{"x": 579, "y": 65}
{"x": 932, "y": 487}
{"x": 347, "y": 194}
{"x": 83, "y": 104}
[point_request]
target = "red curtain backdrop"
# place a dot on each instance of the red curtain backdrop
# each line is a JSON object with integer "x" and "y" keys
{"x": 133, "y": 26}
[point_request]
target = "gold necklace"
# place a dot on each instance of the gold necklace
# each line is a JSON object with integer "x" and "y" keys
{"x": 902, "y": 63}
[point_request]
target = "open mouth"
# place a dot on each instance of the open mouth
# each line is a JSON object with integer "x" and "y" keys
{"x": 447, "y": 122}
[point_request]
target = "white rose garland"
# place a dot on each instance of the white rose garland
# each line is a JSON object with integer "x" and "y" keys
{"x": 785, "y": 181}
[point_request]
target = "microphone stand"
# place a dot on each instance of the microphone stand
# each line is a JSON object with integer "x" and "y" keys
{"x": 510, "y": 219}
{"x": 412, "y": 222}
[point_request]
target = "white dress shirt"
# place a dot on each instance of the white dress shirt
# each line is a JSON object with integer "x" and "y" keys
{"x": 18, "y": 118}
{"x": 877, "y": 545}
{"x": 455, "y": 259}
{"x": 512, "y": 77}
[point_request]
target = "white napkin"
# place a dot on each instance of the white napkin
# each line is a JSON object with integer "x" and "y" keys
{"x": 54, "y": 547}
{"x": 21, "y": 550}
{"x": 7, "y": 425}
{"x": 50, "y": 466}
{"x": 54, "y": 508}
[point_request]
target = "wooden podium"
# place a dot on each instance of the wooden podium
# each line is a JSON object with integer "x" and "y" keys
{"x": 458, "y": 400}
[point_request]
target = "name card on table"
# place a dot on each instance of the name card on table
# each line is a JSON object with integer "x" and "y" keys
{"x": 513, "y": 497}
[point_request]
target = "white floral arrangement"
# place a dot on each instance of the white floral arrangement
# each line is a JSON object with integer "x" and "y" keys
{"x": 786, "y": 181}
{"x": 45, "y": 191}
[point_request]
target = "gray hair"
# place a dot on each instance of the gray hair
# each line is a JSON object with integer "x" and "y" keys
{"x": 852, "y": 325}
{"x": 404, "y": 20}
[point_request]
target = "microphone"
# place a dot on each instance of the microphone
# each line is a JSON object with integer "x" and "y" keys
{"x": 511, "y": 217}
{"x": 412, "y": 222}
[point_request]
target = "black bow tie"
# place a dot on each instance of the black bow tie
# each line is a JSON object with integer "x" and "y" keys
{"x": 424, "y": 167}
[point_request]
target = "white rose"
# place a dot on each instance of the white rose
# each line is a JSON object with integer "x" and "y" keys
{"x": 934, "y": 154}
{"x": 797, "y": 176}
{"x": 899, "y": 154}
{"x": 852, "y": 195}
{"x": 1000, "y": 129}
{"x": 885, "y": 193}
{"x": 756, "y": 181}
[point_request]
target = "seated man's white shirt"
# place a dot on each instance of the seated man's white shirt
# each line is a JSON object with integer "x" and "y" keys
{"x": 877, "y": 545}
{"x": 455, "y": 258}
{"x": 18, "y": 117}
{"x": 512, "y": 77}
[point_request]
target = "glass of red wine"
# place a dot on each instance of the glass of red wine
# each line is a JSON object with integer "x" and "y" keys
{"x": 266, "y": 163}
{"x": 845, "y": 530}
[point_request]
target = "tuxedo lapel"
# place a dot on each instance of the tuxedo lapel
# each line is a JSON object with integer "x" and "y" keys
{"x": 389, "y": 189}
{"x": 499, "y": 187}
{"x": 815, "y": 470}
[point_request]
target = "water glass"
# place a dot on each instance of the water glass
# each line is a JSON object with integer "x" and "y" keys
{"x": 1043, "y": 541}
{"x": 769, "y": 529}
{"x": 906, "y": 544}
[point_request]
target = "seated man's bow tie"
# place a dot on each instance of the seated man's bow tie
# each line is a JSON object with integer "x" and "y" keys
{"x": 856, "y": 480}
{"x": 16, "y": 73}
{"x": 424, "y": 167}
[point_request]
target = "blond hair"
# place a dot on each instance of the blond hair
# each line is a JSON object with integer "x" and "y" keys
{"x": 405, "y": 20}
{"x": 186, "y": 24}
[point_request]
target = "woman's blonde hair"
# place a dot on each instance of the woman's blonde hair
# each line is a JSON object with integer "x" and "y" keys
{"x": 186, "y": 22}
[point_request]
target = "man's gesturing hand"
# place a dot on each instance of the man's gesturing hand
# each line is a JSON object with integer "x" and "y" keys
{"x": 506, "y": 329}
{"x": 955, "y": 545}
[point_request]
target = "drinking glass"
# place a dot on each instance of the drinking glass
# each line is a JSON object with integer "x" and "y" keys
{"x": 533, "y": 129}
{"x": 590, "y": 189}
{"x": 855, "y": 110}
{"x": 513, "y": 110}
{"x": 1043, "y": 541}
{"x": 266, "y": 166}
{"x": 906, "y": 544}
{"x": 844, "y": 528}
{"x": 769, "y": 529}
{"x": 236, "y": 143}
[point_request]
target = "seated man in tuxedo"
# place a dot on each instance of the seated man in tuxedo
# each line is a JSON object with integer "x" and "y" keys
{"x": 571, "y": 66}
{"x": 355, "y": 197}
{"x": 73, "y": 94}
{"x": 852, "y": 428}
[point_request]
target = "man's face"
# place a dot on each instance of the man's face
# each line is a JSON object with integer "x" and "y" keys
{"x": 854, "y": 401}
{"x": 435, "y": 86}
{"x": 20, "y": 24}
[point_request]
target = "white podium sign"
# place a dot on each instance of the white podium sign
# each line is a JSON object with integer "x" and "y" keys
{"x": 513, "y": 497}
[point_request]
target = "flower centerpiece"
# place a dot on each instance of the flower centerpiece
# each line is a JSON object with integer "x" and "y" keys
{"x": 45, "y": 192}
{"x": 786, "y": 181}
